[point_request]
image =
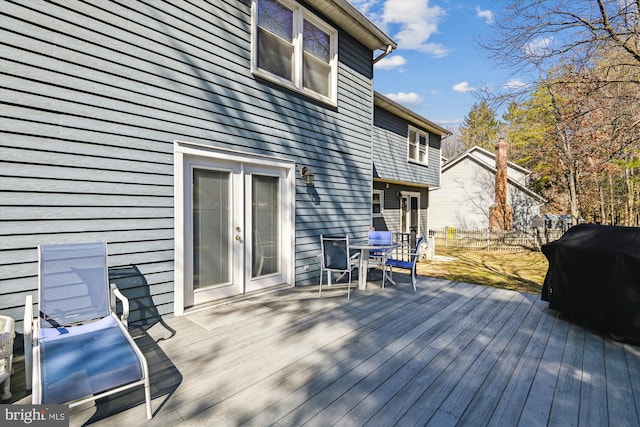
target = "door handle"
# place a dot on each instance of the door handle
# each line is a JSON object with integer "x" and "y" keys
{"x": 239, "y": 239}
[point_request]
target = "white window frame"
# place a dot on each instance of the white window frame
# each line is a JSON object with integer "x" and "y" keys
{"x": 378, "y": 214}
{"x": 300, "y": 14}
{"x": 419, "y": 133}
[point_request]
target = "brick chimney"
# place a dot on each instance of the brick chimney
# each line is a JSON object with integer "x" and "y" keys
{"x": 500, "y": 213}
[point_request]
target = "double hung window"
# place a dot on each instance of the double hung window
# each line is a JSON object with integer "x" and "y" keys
{"x": 294, "y": 48}
{"x": 418, "y": 146}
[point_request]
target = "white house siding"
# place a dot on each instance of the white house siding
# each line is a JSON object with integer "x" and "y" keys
{"x": 462, "y": 201}
{"x": 467, "y": 191}
{"x": 93, "y": 96}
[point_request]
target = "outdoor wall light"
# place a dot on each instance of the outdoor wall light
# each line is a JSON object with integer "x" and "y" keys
{"x": 307, "y": 174}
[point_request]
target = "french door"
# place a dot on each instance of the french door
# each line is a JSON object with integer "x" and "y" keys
{"x": 237, "y": 227}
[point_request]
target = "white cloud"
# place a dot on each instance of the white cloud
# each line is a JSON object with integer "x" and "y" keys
{"x": 390, "y": 62}
{"x": 408, "y": 99}
{"x": 415, "y": 22}
{"x": 435, "y": 49}
{"x": 515, "y": 84}
{"x": 463, "y": 87}
{"x": 364, "y": 6}
{"x": 449, "y": 122}
{"x": 487, "y": 15}
{"x": 538, "y": 47}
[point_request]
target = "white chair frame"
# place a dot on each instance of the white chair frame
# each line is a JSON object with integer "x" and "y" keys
{"x": 32, "y": 354}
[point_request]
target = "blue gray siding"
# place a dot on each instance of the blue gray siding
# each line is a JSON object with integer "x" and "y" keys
{"x": 390, "y": 220}
{"x": 394, "y": 173}
{"x": 390, "y": 152}
{"x": 93, "y": 97}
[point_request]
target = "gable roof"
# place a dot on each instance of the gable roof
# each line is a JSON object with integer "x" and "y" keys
{"x": 475, "y": 149}
{"x": 355, "y": 23}
{"x": 469, "y": 155}
{"x": 403, "y": 112}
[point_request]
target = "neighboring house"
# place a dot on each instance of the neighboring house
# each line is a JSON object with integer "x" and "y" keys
{"x": 467, "y": 190}
{"x": 406, "y": 164}
{"x": 176, "y": 132}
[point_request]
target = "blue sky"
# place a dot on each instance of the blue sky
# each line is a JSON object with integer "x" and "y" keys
{"x": 438, "y": 64}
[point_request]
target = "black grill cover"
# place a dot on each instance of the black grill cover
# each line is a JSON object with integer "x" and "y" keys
{"x": 594, "y": 275}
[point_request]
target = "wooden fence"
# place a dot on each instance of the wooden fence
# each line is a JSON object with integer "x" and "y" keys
{"x": 493, "y": 240}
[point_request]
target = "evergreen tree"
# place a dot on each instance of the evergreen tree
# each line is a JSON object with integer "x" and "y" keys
{"x": 480, "y": 127}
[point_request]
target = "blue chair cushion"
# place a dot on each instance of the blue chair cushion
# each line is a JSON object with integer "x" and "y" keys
{"x": 83, "y": 360}
{"x": 401, "y": 264}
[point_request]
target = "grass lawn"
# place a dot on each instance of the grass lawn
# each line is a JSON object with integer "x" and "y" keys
{"x": 522, "y": 271}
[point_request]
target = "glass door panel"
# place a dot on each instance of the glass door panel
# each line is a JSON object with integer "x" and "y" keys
{"x": 414, "y": 213}
{"x": 265, "y": 217}
{"x": 211, "y": 217}
{"x": 264, "y": 204}
{"x": 214, "y": 218}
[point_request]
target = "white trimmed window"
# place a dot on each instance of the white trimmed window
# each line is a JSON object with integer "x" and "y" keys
{"x": 418, "y": 146}
{"x": 377, "y": 202}
{"x": 294, "y": 48}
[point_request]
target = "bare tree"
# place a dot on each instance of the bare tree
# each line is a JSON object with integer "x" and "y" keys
{"x": 533, "y": 35}
{"x": 452, "y": 145}
{"x": 582, "y": 57}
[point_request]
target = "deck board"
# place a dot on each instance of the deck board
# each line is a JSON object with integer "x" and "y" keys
{"x": 448, "y": 354}
{"x": 594, "y": 393}
{"x": 508, "y": 409}
{"x": 484, "y": 400}
{"x": 619, "y": 389}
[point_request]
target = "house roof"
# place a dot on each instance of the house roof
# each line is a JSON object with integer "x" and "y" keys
{"x": 469, "y": 155}
{"x": 400, "y": 111}
{"x": 355, "y": 23}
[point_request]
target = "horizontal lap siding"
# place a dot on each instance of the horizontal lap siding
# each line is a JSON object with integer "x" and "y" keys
{"x": 390, "y": 135}
{"x": 93, "y": 96}
{"x": 464, "y": 199}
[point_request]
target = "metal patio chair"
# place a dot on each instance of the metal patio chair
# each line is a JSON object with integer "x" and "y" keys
{"x": 406, "y": 258}
{"x": 77, "y": 350}
{"x": 336, "y": 258}
{"x": 379, "y": 257}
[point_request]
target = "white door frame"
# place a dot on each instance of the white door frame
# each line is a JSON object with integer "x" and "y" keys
{"x": 182, "y": 152}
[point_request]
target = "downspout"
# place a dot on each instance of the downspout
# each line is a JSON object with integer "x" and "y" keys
{"x": 383, "y": 54}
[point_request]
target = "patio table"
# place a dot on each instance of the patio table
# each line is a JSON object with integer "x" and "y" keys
{"x": 364, "y": 248}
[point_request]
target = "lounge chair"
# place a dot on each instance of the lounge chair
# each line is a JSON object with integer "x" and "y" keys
{"x": 79, "y": 349}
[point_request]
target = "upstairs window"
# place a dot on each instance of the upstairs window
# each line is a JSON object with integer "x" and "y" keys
{"x": 294, "y": 48}
{"x": 418, "y": 146}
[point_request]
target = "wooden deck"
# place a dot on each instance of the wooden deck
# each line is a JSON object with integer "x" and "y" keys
{"x": 449, "y": 354}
